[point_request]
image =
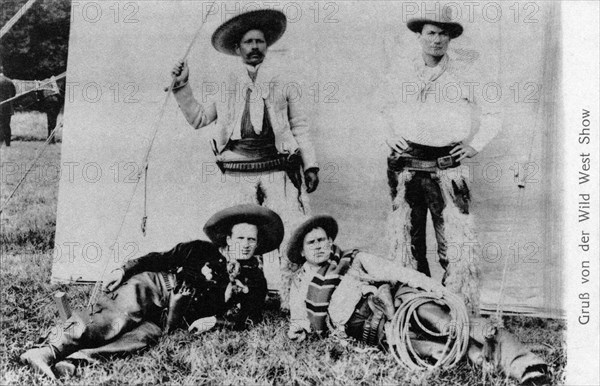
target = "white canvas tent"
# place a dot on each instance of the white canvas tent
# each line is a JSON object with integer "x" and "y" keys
{"x": 341, "y": 53}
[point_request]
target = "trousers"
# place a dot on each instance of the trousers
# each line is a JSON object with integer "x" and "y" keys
{"x": 128, "y": 319}
{"x": 446, "y": 197}
{"x": 423, "y": 193}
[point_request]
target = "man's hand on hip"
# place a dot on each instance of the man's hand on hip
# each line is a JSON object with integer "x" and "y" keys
{"x": 463, "y": 151}
{"x": 311, "y": 178}
{"x": 397, "y": 144}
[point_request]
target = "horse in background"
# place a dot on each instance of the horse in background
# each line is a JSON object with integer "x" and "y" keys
{"x": 48, "y": 97}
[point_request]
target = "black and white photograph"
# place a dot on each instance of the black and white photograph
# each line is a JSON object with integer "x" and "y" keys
{"x": 422, "y": 208}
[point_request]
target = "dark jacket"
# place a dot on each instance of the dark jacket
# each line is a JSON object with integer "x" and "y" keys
{"x": 199, "y": 265}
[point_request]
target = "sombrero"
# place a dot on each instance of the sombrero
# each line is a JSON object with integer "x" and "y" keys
{"x": 443, "y": 19}
{"x": 269, "y": 224}
{"x": 272, "y": 23}
{"x": 327, "y": 223}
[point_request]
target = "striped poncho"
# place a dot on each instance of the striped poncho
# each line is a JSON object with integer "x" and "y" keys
{"x": 321, "y": 287}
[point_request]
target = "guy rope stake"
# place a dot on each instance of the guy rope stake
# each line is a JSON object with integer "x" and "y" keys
{"x": 144, "y": 170}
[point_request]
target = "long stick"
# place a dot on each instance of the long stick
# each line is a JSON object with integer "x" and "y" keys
{"x": 156, "y": 127}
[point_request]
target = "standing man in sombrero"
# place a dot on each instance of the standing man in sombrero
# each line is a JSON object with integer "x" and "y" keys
{"x": 432, "y": 106}
{"x": 197, "y": 285}
{"x": 262, "y": 145}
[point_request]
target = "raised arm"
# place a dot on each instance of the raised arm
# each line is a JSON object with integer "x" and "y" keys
{"x": 198, "y": 115}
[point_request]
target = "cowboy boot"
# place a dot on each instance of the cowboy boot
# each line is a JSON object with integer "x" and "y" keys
{"x": 41, "y": 359}
{"x": 383, "y": 298}
{"x": 503, "y": 350}
{"x": 65, "y": 369}
{"x": 381, "y": 304}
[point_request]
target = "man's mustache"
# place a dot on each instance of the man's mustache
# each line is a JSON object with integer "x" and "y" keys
{"x": 251, "y": 53}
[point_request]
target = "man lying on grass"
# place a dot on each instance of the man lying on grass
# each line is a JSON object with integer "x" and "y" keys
{"x": 358, "y": 294}
{"x": 197, "y": 284}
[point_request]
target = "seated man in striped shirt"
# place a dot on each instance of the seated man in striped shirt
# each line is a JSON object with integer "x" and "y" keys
{"x": 358, "y": 294}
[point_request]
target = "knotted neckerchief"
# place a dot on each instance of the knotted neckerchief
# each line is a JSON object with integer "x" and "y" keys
{"x": 322, "y": 286}
{"x": 428, "y": 75}
{"x": 255, "y": 105}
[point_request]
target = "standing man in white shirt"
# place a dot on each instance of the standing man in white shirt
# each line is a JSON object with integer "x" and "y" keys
{"x": 262, "y": 143}
{"x": 431, "y": 117}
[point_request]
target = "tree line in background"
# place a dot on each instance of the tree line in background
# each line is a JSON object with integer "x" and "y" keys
{"x": 36, "y": 47}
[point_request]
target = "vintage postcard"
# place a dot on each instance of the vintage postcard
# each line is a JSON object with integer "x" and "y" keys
{"x": 300, "y": 192}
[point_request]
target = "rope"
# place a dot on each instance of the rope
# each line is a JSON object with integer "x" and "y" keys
{"x": 38, "y": 156}
{"x": 521, "y": 185}
{"x": 51, "y": 80}
{"x": 457, "y": 332}
{"x": 144, "y": 170}
{"x": 13, "y": 20}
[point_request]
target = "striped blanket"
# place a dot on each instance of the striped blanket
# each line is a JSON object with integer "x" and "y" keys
{"x": 323, "y": 284}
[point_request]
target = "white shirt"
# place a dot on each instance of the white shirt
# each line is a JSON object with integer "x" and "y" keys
{"x": 445, "y": 113}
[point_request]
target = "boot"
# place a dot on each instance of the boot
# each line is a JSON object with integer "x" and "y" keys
{"x": 65, "y": 369}
{"x": 536, "y": 375}
{"x": 383, "y": 299}
{"x": 41, "y": 359}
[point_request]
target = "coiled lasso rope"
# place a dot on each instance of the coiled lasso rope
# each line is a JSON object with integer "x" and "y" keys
{"x": 456, "y": 331}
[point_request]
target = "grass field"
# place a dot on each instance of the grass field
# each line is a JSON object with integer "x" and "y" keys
{"x": 260, "y": 355}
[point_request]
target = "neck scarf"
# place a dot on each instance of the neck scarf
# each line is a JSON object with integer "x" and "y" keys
{"x": 255, "y": 104}
{"x": 428, "y": 75}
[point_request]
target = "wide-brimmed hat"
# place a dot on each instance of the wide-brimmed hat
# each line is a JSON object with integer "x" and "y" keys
{"x": 444, "y": 19}
{"x": 269, "y": 224}
{"x": 327, "y": 223}
{"x": 271, "y": 22}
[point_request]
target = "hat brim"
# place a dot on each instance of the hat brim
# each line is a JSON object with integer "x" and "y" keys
{"x": 269, "y": 224}
{"x": 271, "y": 22}
{"x": 454, "y": 29}
{"x": 296, "y": 243}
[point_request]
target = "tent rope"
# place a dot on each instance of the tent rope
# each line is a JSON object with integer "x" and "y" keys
{"x": 34, "y": 163}
{"x": 144, "y": 170}
{"x": 13, "y": 20}
{"x": 521, "y": 185}
{"x": 40, "y": 87}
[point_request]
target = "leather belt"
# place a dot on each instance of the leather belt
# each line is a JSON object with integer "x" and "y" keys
{"x": 373, "y": 327}
{"x": 170, "y": 281}
{"x": 253, "y": 166}
{"x": 410, "y": 163}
